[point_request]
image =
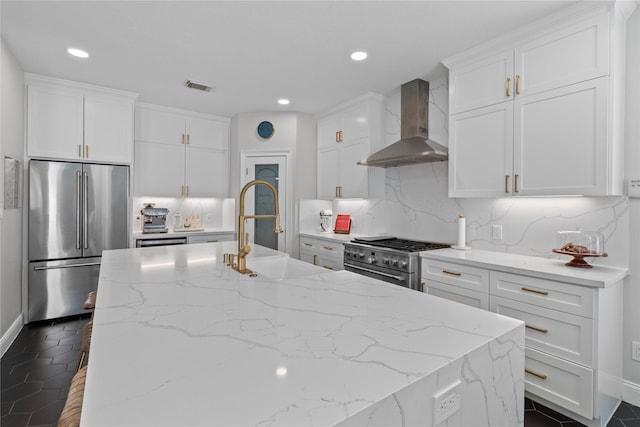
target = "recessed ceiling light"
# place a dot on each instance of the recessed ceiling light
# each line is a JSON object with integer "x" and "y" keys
{"x": 359, "y": 55}
{"x": 77, "y": 52}
{"x": 283, "y": 101}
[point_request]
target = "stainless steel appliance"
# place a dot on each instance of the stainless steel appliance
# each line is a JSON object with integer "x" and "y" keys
{"x": 164, "y": 241}
{"x": 390, "y": 259}
{"x": 155, "y": 219}
{"x": 76, "y": 210}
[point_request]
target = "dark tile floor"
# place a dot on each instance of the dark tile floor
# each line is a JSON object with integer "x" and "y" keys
{"x": 38, "y": 367}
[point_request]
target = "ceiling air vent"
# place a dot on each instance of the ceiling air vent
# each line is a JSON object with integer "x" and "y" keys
{"x": 199, "y": 86}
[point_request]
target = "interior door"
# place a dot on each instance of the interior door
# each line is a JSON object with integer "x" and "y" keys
{"x": 259, "y": 200}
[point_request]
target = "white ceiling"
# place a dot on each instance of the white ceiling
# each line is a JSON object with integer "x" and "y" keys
{"x": 254, "y": 52}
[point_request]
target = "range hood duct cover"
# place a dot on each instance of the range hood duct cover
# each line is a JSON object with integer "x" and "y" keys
{"x": 414, "y": 145}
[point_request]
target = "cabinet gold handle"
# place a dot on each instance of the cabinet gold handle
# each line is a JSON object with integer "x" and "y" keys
{"x": 341, "y": 136}
{"x": 542, "y": 330}
{"x": 337, "y": 136}
{"x": 506, "y": 183}
{"x": 329, "y": 248}
{"x": 308, "y": 244}
{"x": 517, "y": 84}
{"x": 535, "y": 374}
{"x": 79, "y": 150}
{"x": 188, "y": 139}
{"x": 515, "y": 183}
{"x": 506, "y": 87}
{"x": 453, "y": 273}
{"x": 188, "y": 190}
{"x": 182, "y": 140}
{"x": 211, "y": 241}
{"x": 86, "y": 151}
{"x": 315, "y": 260}
{"x": 535, "y": 291}
{"x": 327, "y": 267}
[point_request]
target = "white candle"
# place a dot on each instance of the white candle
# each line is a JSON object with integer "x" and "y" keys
{"x": 461, "y": 232}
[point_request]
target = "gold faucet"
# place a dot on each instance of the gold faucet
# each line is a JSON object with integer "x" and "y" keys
{"x": 243, "y": 239}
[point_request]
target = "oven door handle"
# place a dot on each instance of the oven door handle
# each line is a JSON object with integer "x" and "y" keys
{"x": 391, "y": 276}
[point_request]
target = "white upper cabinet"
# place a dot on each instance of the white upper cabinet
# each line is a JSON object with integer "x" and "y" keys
{"x": 537, "y": 110}
{"x": 72, "y": 121}
{"x": 346, "y": 135}
{"x": 180, "y": 153}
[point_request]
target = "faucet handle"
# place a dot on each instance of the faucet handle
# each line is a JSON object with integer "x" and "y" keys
{"x": 279, "y": 229}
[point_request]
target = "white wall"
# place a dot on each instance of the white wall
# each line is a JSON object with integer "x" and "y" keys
{"x": 294, "y": 133}
{"x": 632, "y": 170}
{"x": 12, "y": 137}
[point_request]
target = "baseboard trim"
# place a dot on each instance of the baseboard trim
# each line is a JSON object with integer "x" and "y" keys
{"x": 631, "y": 392}
{"x": 11, "y": 334}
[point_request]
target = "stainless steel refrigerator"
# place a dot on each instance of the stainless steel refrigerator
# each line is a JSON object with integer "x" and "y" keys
{"x": 76, "y": 210}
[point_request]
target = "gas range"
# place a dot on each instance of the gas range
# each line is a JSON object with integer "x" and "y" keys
{"x": 389, "y": 259}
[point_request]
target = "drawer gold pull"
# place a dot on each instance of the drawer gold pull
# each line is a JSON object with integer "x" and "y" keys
{"x": 327, "y": 267}
{"x": 535, "y": 374}
{"x": 535, "y": 291}
{"x": 517, "y": 84}
{"x": 79, "y": 150}
{"x": 329, "y": 248}
{"x": 506, "y": 87}
{"x": 212, "y": 241}
{"x": 515, "y": 184}
{"x": 506, "y": 183}
{"x": 453, "y": 273}
{"x": 544, "y": 331}
{"x": 307, "y": 244}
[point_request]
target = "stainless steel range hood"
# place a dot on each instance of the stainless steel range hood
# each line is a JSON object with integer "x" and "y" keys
{"x": 414, "y": 145}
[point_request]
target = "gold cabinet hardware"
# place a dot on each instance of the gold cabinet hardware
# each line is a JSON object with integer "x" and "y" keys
{"x": 506, "y": 87}
{"x": 307, "y": 244}
{"x": 341, "y": 136}
{"x": 315, "y": 260}
{"x": 182, "y": 140}
{"x": 188, "y": 139}
{"x": 188, "y": 190}
{"x": 329, "y": 248}
{"x": 515, "y": 183}
{"x": 337, "y": 136}
{"x": 542, "y": 330}
{"x": 211, "y": 241}
{"x": 535, "y": 291}
{"x": 79, "y": 150}
{"x": 338, "y": 191}
{"x": 452, "y": 273}
{"x": 535, "y": 374}
{"x": 506, "y": 183}
{"x": 517, "y": 84}
{"x": 327, "y": 267}
{"x": 421, "y": 287}
{"x": 86, "y": 151}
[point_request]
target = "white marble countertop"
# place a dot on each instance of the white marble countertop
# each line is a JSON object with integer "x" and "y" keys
{"x": 172, "y": 233}
{"x": 333, "y": 237}
{"x": 553, "y": 269}
{"x": 179, "y": 339}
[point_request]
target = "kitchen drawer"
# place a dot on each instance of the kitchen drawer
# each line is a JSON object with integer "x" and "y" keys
{"x": 564, "y": 335}
{"x": 329, "y": 263}
{"x": 559, "y": 381}
{"x": 560, "y": 296}
{"x": 210, "y": 238}
{"x": 475, "y": 279}
{"x": 309, "y": 244}
{"x": 461, "y": 295}
{"x": 330, "y": 249}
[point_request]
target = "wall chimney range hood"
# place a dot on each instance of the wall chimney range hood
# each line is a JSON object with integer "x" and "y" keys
{"x": 414, "y": 145}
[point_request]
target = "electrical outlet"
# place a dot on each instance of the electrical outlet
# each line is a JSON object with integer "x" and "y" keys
{"x": 446, "y": 403}
{"x": 635, "y": 350}
{"x": 496, "y": 231}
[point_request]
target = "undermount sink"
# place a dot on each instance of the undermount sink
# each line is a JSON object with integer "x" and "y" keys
{"x": 282, "y": 268}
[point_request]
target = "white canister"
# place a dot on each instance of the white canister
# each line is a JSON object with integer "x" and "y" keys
{"x": 177, "y": 221}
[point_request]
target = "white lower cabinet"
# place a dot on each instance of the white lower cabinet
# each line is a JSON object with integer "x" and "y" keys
{"x": 573, "y": 347}
{"x": 211, "y": 238}
{"x": 322, "y": 252}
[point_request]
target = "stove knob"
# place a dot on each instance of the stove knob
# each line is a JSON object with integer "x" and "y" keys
{"x": 361, "y": 254}
{"x": 395, "y": 262}
{"x": 403, "y": 264}
{"x": 371, "y": 260}
{"x": 385, "y": 260}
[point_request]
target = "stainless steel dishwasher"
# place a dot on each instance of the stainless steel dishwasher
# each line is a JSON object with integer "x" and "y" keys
{"x": 165, "y": 241}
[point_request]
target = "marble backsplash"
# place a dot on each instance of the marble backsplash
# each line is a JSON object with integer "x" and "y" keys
{"x": 208, "y": 213}
{"x": 417, "y": 205}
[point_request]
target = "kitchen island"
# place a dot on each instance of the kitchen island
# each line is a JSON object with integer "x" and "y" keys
{"x": 180, "y": 339}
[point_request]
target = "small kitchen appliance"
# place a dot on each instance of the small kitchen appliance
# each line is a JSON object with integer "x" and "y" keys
{"x": 155, "y": 219}
{"x": 387, "y": 258}
{"x": 326, "y": 220}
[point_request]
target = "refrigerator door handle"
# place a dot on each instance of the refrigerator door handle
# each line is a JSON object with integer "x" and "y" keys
{"x": 85, "y": 205}
{"x": 53, "y": 267}
{"x": 78, "y": 210}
